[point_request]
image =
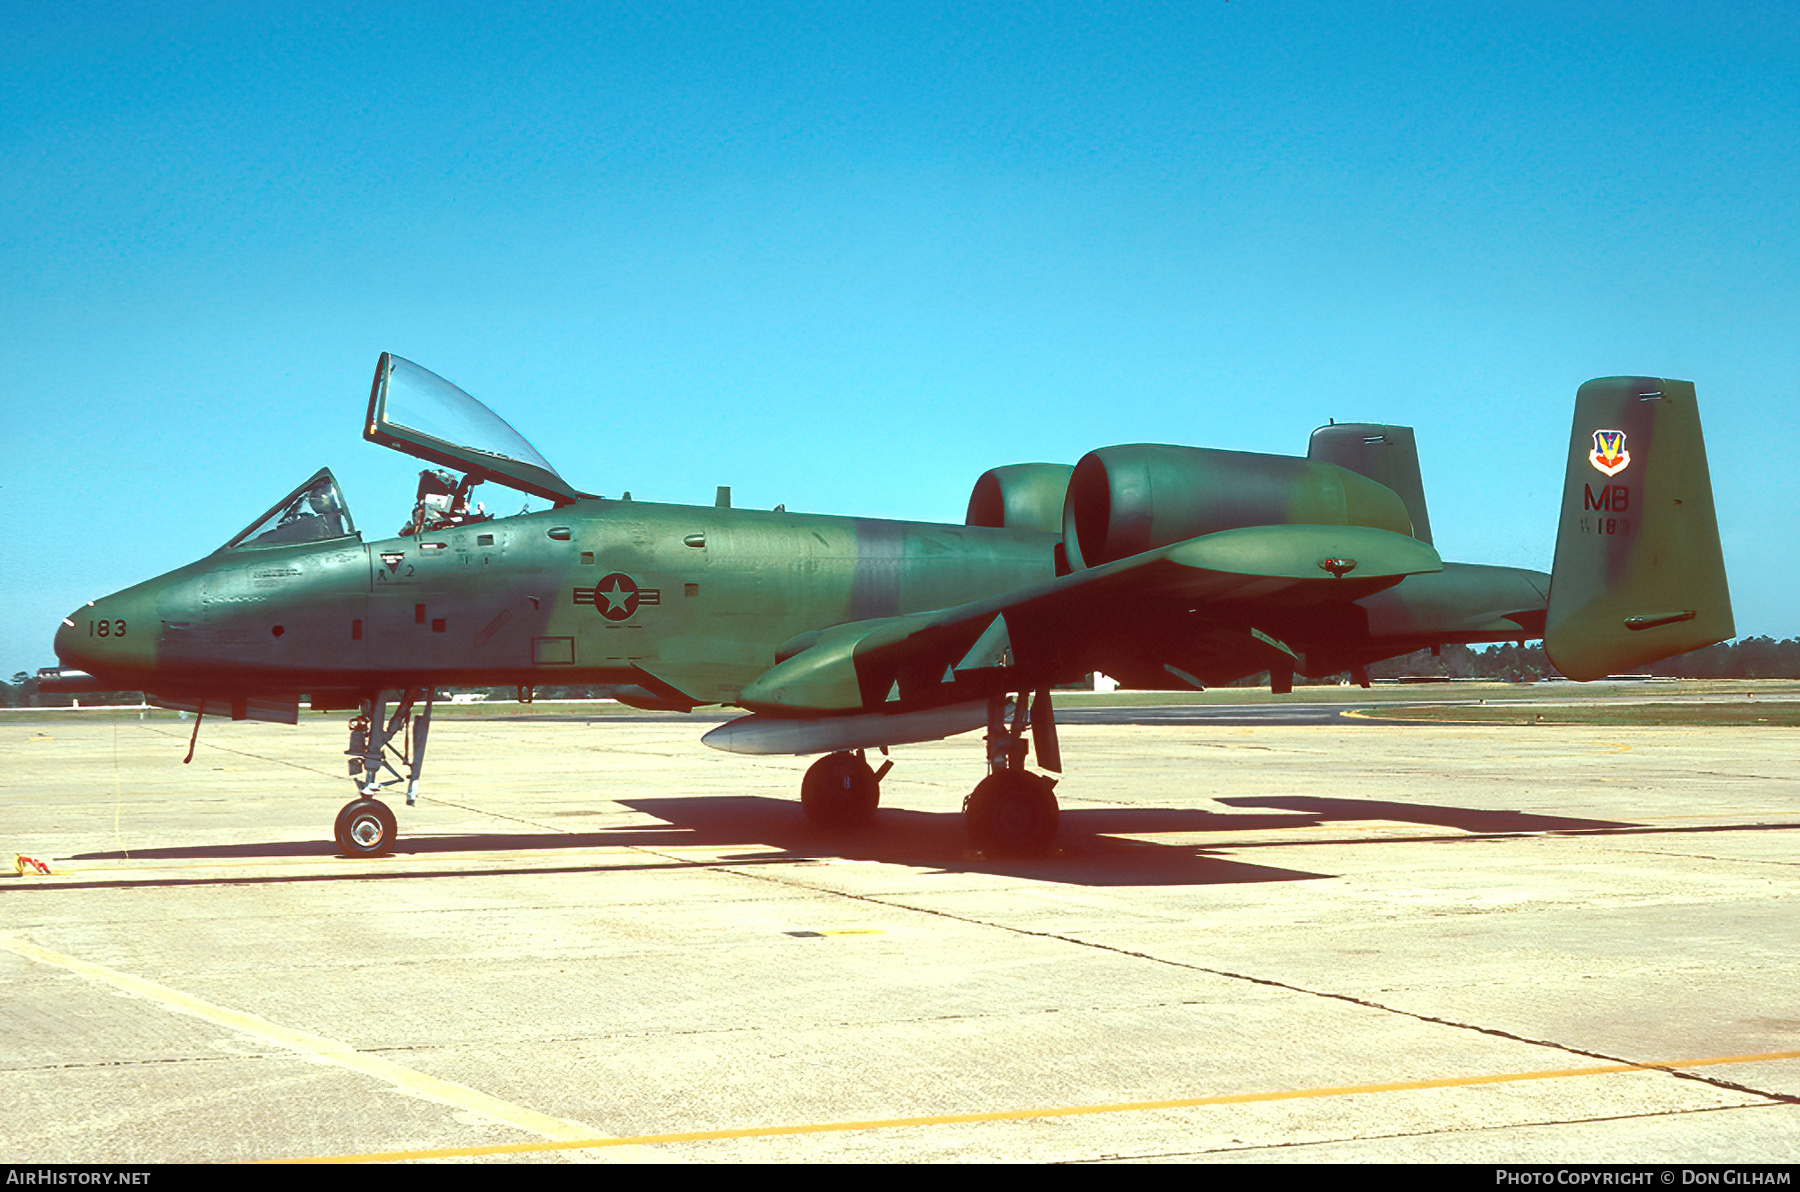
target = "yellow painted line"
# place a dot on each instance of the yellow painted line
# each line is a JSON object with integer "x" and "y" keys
{"x": 1013, "y": 1115}
{"x": 317, "y": 1048}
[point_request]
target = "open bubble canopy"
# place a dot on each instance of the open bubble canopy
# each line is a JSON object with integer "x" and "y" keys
{"x": 414, "y": 410}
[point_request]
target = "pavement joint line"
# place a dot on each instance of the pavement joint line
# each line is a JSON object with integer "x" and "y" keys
{"x": 1658, "y": 852}
{"x": 1270, "y": 982}
{"x": 509, "y": 818}
{"x": 317, "y": 1048}
{"x": 1430, "y": 1018}
{"x": 1008, "y": 1115}
{"x": 316, "y": 770}
{"x": 241, "y": 753}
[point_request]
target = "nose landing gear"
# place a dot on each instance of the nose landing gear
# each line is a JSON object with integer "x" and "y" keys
{"x": 365, "y": 826}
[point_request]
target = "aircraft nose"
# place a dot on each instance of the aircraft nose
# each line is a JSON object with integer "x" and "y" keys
{"x": 78, "y": 640}
{"x": 64, "y": 645}
{"x": 111, "y": 634}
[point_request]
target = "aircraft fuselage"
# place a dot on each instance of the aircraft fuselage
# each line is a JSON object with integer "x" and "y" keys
{"x": 693, "y": 598}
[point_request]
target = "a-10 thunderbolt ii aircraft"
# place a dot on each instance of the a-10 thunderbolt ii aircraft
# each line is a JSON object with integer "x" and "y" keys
{"x": 1168, "y": 567}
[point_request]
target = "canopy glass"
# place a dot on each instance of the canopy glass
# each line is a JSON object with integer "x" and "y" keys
{"x": 313, "y": 512}
{"x": 414, "y": 410}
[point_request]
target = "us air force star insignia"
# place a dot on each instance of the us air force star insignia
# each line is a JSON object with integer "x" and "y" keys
{"x": 1609, "y": 454}
{"x": 617, "y": 597}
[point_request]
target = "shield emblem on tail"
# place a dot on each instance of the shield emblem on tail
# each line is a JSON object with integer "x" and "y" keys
{"x": 1609, "y": 454}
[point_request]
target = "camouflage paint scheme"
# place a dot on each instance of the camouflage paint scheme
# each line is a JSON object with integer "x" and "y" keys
{"x": 1164, "y": 566}
{"x": 513, "y": 601}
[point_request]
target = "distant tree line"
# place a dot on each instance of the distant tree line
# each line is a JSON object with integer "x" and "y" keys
{"x": 1745, "y": 658}
{"x": 22, "y": 692}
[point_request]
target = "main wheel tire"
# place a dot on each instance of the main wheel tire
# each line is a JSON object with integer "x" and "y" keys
{"x": 840, "y": 791}
{"x": 366, "y": 828}
{"x": 1012, "y": 812}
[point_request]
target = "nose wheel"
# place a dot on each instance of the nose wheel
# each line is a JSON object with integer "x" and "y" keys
{"x": 366, "y": 828}
{"x": 382, "y": 745}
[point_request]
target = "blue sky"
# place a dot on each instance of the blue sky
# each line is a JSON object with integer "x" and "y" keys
{"x": 846, "y": 257}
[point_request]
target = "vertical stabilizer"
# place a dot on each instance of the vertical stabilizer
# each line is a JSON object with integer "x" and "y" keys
{"x": 1385, "y": 454}
{"x": 1639, "y": 574}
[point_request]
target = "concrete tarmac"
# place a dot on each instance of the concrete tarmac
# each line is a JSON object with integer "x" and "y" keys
{"x": 1333, "y": 941}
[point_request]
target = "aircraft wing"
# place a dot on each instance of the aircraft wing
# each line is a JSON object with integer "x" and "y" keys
{"x": 1196, "y": 607}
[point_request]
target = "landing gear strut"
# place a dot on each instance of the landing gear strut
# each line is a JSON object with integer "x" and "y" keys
{"x": 841, "y": 791}
{"x": 365, "y": 827}
{"x": 1012, "y": 811}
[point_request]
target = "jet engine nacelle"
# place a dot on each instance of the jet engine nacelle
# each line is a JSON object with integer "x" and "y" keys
{"x": 1020, "y": 497}
{"x": 1126, "y": 500}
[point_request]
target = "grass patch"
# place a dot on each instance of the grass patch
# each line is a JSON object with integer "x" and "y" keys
{"x": 1440, "y": 702}
{"x": 1737, "y": 714}
{"x": 1435, "y": 693}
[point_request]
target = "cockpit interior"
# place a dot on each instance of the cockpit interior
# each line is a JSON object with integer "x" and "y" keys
{"x": 313, "y": 512}
{"x": 412, "y": 409}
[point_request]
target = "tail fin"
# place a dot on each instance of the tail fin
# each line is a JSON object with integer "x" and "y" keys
{"x": 1638, "y": 574}
{"x": 1385, "y": 454}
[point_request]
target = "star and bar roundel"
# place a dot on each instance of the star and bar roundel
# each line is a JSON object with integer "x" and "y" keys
{"x": 617, "y": 596}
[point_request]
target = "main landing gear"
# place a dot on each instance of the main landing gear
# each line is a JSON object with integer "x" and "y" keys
{"x": 841, "y": 791}
{"x": 1012, "y": 811}
{"x": 365, "y": 827}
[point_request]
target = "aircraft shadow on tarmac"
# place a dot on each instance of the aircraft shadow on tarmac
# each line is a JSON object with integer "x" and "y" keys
{"x": 1469, "y": 819}
{"x": 1084, "y": 854}
{"x": 917, "y": 838}
{"x": 1089, "y": 851}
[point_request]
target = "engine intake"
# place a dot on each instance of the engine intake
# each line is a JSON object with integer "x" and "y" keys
{"x": 1020, "y": 497}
